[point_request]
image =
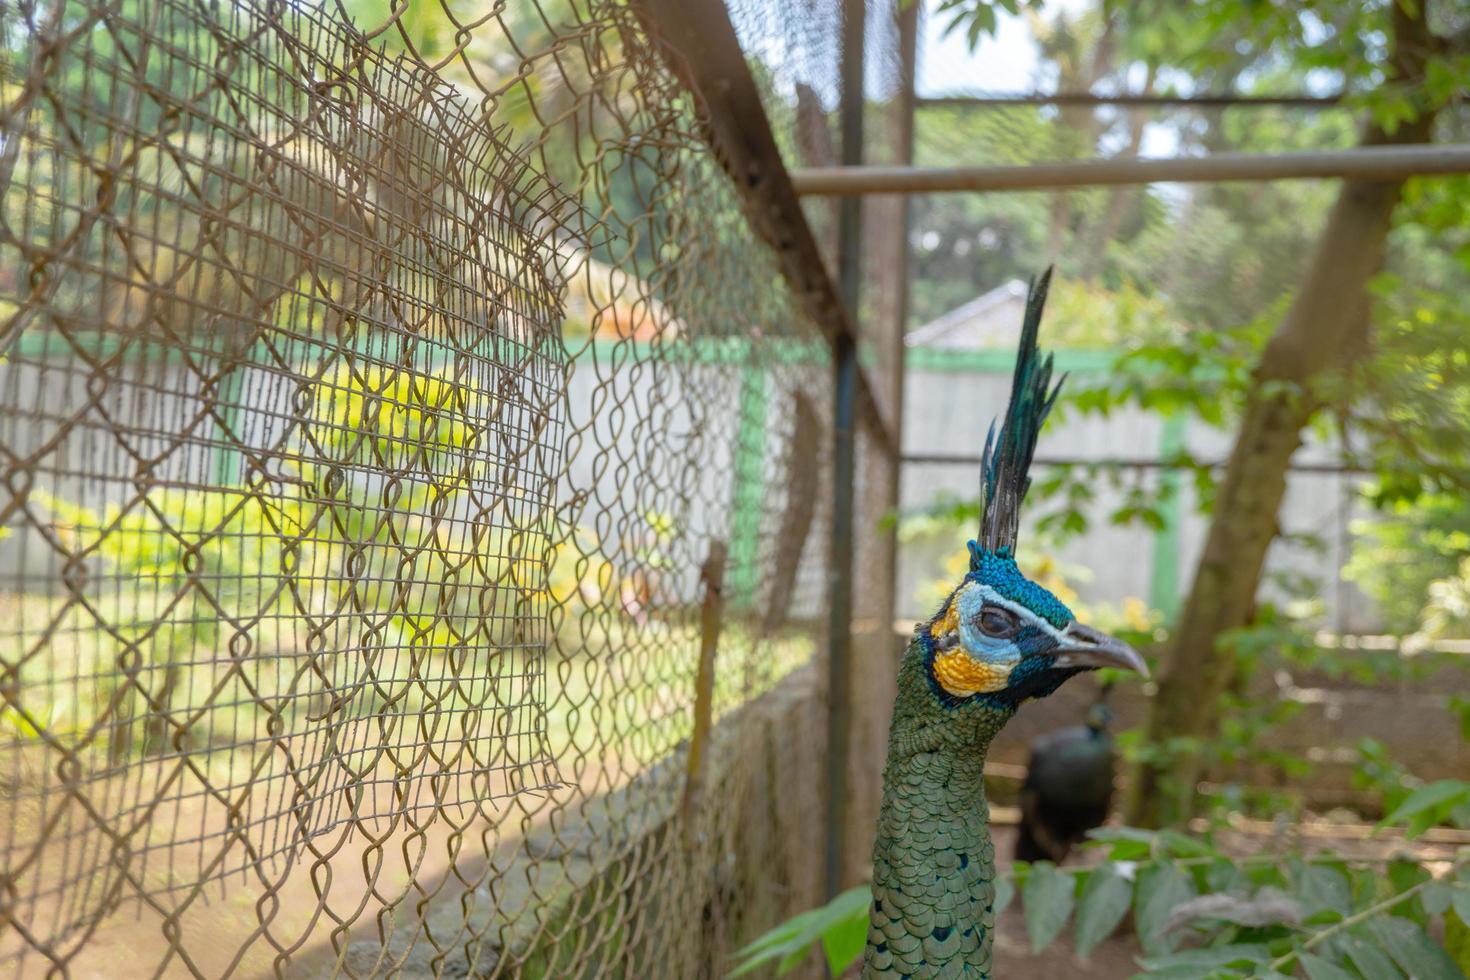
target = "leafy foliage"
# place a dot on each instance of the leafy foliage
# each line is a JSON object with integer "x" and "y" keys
{"x": 1048, "y": 894}
{"x": 1198, "y": 912}
{"x": 832, "y": 925}
{"x": 1439, "y": 802}
{"x": 1406, "y": 547}
{"x": 977, "y": 18}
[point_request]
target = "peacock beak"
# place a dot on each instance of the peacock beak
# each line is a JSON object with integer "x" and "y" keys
{"x": 1084, "y": 646}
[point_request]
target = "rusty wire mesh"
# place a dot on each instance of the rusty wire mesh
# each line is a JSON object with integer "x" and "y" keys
{"x": 400, "y": 428}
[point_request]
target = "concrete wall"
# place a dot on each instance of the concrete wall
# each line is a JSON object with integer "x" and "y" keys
{"x": 634, "y": 437}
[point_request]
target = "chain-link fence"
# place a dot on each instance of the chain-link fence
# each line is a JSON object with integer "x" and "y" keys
{"x": 412, "y": 500}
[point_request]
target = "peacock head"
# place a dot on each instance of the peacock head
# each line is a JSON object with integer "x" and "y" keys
{"x": 1000, "y": 638}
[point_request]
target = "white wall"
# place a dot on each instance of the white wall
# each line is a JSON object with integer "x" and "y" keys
{"x": 948, "y": 412}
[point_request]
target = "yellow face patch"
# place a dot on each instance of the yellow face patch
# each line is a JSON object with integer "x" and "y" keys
{"x": 946, "y": 624}
{"x": 962, "y": 675}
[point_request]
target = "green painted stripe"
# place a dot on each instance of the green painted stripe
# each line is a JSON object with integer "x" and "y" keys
{"x": 1163, "y": 590}
{"x": 1002, "y": 361}
{"x": 41, "y": 344}
{"x": 749, "y": 491}
{"x": 229, "y": 464}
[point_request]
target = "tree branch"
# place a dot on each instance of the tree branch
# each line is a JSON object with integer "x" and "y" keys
{"x": 1280, "y": 963}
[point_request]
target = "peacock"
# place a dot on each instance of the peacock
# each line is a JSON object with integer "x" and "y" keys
{"x": 999, "y": 640}
{"x": 1069, "y": 787}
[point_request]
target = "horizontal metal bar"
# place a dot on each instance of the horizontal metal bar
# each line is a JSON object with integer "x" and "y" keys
{"x": 1222, "y": 100}
{"x": 1360, "y": 163}
{"x": 1135, "y": 463}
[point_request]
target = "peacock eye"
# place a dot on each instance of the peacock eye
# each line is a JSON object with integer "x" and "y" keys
{"x": 998, "y": 622}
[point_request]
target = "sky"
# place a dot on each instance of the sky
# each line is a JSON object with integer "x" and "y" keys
{"x": 1004, "y": 62}
{"x": 1007, "y": 62}
{"x": 797, "y": 42}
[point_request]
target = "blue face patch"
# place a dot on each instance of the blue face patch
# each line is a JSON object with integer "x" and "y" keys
{"x": 998, "y": 570}
{"x": 977, "y": 643}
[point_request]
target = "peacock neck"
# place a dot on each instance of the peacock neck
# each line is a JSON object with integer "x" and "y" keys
{"x": 933, "y": 862}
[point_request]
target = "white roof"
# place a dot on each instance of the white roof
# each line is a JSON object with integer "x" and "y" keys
{"x": 992, "y": 319}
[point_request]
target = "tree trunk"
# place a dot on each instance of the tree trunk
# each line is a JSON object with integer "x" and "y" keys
{"x": 1326, "y": 327}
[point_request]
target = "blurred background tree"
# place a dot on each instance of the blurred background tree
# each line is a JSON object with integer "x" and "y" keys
{"x": 1280, "y": 306}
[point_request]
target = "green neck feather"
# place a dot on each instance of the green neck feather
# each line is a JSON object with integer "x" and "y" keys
{"x": 933, "y": 863}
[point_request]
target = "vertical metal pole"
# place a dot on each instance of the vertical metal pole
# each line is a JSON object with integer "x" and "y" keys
{"x": 908, "y": 54}
{"x": 839, "y": 601}
{"x": 844, "y": 458}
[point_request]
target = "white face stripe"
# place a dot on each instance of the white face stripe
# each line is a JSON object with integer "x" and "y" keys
{"x": 1027, "y": 616}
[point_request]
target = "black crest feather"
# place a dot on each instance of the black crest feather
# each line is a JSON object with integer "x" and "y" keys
{"x": 1006, "y": 463}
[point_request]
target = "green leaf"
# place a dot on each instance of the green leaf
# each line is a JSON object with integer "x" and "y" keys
{"x": 1182, "y": 845}
{"x": 1188, "y": 971}
{"x": 844, "y": 943}
{"x": 1457, "y": 939}
{"x": 1222, "y": 876}
{"x": 1105, "y": 900}
{"x": 1323, "y": 887}
{"x": 1128, "y": 843}
{"x": 1461, "y": 707}
{"x": 781, "y": 935}
{"x": 1048, "y": 897}
{"x": 789, "y": 941}
{"x": 1210, "y": 958}
{"x": 748, "y": 962}
{"x": 1460, "y": 900}
{"x": 1319, "y": 969}
{"x": 1404, "y": 875}
{"x": 1371, "y": 961}
{"x": 1436, "y": 897}
{"x": 1160, "y": 890}
{"x": 1413, "y": 950}
{"x": 1005, "y": 893}
{"x": 984, "y": 23}
{"x": 1425, "y": 819}
{"x": 1441, "y": 795}
{"x": 791, "y": 960}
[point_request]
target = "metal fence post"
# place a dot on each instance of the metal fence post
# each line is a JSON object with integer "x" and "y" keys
{"x": 844, "y": 458}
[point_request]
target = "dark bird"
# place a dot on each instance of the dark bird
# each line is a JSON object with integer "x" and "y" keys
{"x": 1068, "y": 788}
{"x": 999, "y": 640}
